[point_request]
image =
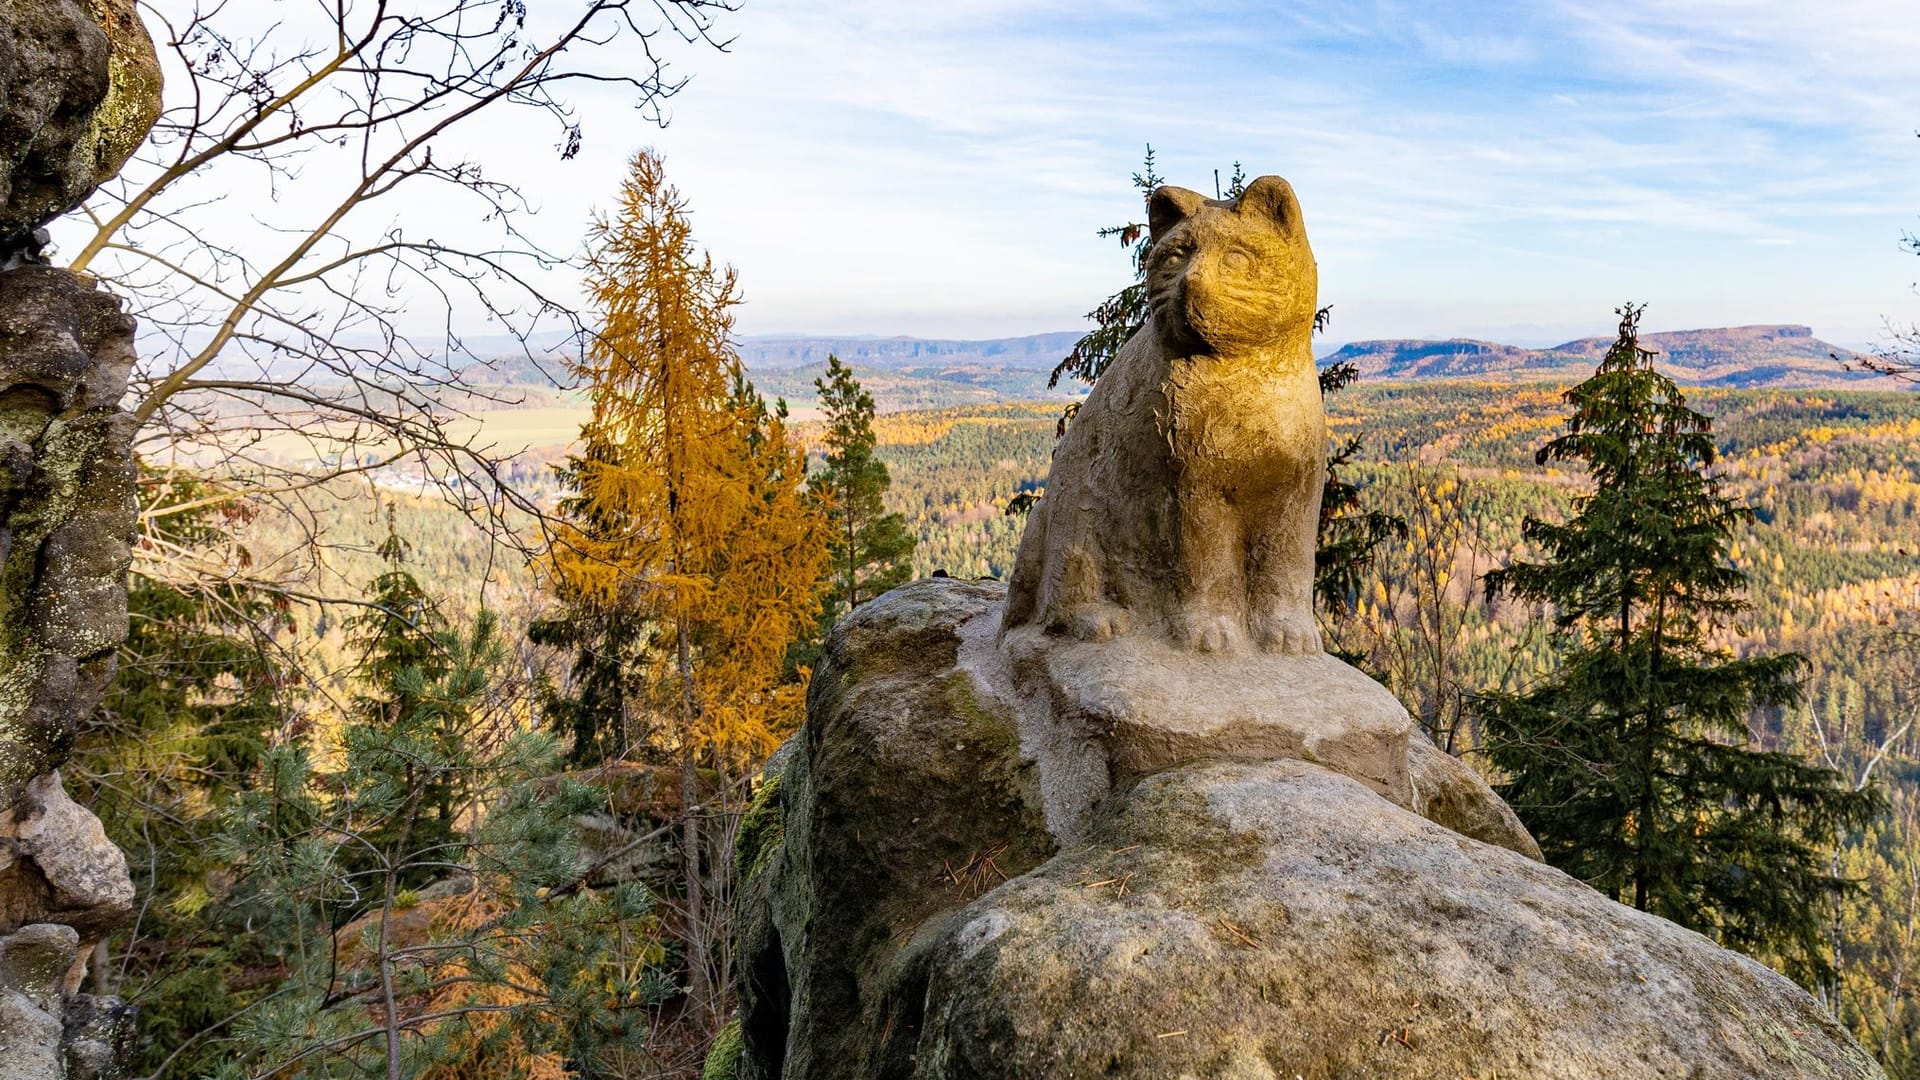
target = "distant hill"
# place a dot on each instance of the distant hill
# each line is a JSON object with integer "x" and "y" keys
{"x": 1781, "y": 355}
{"x": 929, "y": 373}
{"x": 1734, "y": 356}
{"x": 901, "y": 389}
{"x": 1033, "y": 352}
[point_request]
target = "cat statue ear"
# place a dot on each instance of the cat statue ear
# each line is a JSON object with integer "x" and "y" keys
{"x": 1270, "y": 197}
{"x": 1169, "y": 206}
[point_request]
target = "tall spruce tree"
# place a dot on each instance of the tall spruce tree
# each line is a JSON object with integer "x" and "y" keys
{"x": 1632, "y": 762}
{"x": 506, "y": 966}
{"x": 872, "y": 550}
{"x": 399, "y": 654}
{"x": 602, "y": 708}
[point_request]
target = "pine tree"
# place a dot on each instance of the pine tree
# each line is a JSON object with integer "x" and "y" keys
{"x": 872, "y": 549}
{"x": 192, "y": 711}
{"x": 1350, "y": 534}
{"x": 394, "y": 632}
{"x": 603, "y": 709}
{"x": 1631, "y": 762}
{"x": 689, "y": 511}
{"x": 1123, "y": 313}
{"x": 399, "y": 656}
{"x": 506, "y": 966}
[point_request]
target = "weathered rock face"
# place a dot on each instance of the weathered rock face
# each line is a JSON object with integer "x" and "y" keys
{"x": 907, "y": 911}
{"x": 79, "y": 90}
{"x": 1449, "y": 793}
{"x": 66, "y": 511}
{"x": 904, "y": 797}
{"x": 1100, "y": 714}
{"x": 1280, "y": 920}
{"x": 57, "y": 865}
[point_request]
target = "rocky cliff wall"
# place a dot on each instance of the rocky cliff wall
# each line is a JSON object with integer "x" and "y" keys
{"x": 79, "y": 90}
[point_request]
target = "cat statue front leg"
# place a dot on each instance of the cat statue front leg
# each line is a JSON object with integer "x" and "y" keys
{"x": 1084, "y": 610}
{"x": 1281, "y": 601}
{"x": 1210, "y": 583}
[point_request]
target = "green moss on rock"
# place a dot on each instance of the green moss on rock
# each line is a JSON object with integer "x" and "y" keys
{"x": 761, "y": 828}
{"x": 723, "y": 1057}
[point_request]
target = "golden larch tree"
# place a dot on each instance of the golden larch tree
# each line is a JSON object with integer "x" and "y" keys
{"x": 687, "y": 507}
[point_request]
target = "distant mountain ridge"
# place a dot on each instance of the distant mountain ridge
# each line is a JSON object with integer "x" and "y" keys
{"x": 1773, "y": 355}
{"x": 935, "y": 372}
{"x": 1034, "y": 351}
{"x": 1785, "y": 355}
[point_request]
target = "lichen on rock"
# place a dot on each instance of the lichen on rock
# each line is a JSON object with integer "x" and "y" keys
{"x": 79, "y": 90}
{"x": 57, "y": 865}
{"x": 66, "y": 511}
{"x": 904, "y": 797}
{"x": 760, "y": 830}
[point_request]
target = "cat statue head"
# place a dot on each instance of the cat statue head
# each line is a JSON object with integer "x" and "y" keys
{"x": 1229, "y": 276}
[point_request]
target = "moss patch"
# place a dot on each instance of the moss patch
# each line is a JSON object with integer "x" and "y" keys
{"x": 723, "y": 1057}
{"x": 762, "y": 828}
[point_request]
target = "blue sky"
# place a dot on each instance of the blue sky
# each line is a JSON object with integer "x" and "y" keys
{"x": 1508, "y": 170}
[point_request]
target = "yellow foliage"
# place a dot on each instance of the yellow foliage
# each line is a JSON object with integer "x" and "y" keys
{"x": 471, "y": 1000}
{"x": 692, "y": 509}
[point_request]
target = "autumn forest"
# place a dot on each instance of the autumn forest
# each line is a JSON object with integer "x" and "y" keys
{"x": 438, "y": 643}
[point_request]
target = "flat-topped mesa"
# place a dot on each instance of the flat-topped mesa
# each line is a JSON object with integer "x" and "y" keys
{"x": 1162, "y": 601}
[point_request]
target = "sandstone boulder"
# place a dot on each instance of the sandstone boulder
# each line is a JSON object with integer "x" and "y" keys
{"x": 34, "y": 961}
{"x": 79, "y": 91}
{"x": 904, "y": 797}
{"x": 57, "y": 865}
{"x": 1150, "y": 706}
{"x": 914, "y": 905}
{"x": 1446, "y": 791}
{"x": 30, "y": 1039}
{"x": 99, "y": 1037}
{"x": 1279, "y": 920}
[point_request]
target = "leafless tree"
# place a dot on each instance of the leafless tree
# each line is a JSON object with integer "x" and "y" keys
{"x": 1898, "y": 357}
{"x": 1887, "y": 966}
{"x": 1418, "y": 621}
{"x": 319, "y": 231}
{"x": 332, "y": 262}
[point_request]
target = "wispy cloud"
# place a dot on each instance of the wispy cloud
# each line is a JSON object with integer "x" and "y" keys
{"x": 873, "y": 165}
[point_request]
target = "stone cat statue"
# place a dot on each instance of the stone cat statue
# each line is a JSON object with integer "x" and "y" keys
{"x": 1184, "y": 500}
